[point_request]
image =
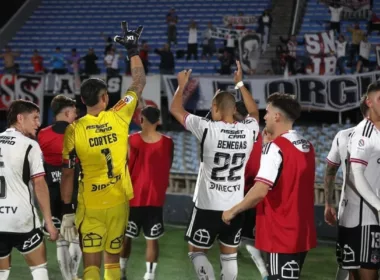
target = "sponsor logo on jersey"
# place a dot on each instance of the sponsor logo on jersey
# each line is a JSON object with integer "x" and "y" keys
{"x": 128, "y": 99}
{"x": 7, "y": 140}
{"x": 223, "y": 188}
{"x": 98, "y": 187}
{"x": 56, "y": 176}
{"x": 8, "y": 209}
{"x": 99, "y": 128}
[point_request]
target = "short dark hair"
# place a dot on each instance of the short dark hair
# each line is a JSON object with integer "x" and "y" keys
{"x": 363, "y": 105}
{"x": 225, "y": 100}
{"x": 373, "y": 88}
{"x": 90, "y": 89}
{"x": 152, "y": 114}
{"x": 241, "y": 109}
{"x": 20, "y": 107}
{"x": 61, "y": 102}
{"x": 286, "y": 103}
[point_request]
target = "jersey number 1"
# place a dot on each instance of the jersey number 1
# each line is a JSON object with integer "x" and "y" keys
{"x": 3, "y": 185}
{"x": 235, "y": 165}
{"x": 107, "y": 153}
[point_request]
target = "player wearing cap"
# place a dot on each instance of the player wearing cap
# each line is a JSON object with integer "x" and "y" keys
{"x": 150, "y": 159}
{"x": 51, "y": 142}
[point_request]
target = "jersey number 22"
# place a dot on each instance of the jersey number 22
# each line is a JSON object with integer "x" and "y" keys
{"x": 224, "y": 162}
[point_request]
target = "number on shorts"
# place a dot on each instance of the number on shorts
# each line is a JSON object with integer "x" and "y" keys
{"x": 107, "y": 153}
{"x": 3, "y": 184}
{"x": 235, "y": 165}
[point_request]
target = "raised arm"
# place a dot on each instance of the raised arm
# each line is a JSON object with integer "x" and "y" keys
{"x": 130, "y": 40}
{"x": 176, "y": 108}
{"x": 249, "y": 102}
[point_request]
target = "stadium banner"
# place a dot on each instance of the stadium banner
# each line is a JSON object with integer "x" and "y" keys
{"x": 352, "y": 9}
{"x": 239, "y": 20}
{"x": 27, "y": 87}
{"x": 64, "y": 84}
{"x": 151, "y": 95}
{"x": 321, "y": 49}
{"x": 250, "y": 50}
{"x": 220, "y": 33}
{"x": 325, "y": 93}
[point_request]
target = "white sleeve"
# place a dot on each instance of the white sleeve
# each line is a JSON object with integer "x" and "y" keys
{"x": 270, "y": 164}
{"x": 334, "y": 157}
{"x": 196, "y": 125}
{"x": 35, "y": 159}
{"x": 363, "y": 186}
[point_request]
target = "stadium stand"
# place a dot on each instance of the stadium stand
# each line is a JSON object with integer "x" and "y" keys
{"x": 79, "y": 23}
{"x": 315, "y": 20}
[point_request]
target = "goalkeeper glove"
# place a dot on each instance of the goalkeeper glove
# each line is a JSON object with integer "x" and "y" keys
{"x": 68, "y": 230}
{"x": 130, "y": 39}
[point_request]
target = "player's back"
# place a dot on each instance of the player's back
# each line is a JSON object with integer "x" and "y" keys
{"x": 225, "y": 149}
{"x": 50, "y": 140}
{"x": 100, "y": 143}
{"x": 253, "y": 163}
{"x": 18, "y": 213}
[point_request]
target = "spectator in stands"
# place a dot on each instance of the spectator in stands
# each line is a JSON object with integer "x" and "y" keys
{"x": 74, "y": 62}
{"x": 336, "y": 12}
{"x": 90, "y": 66}
{"x": 291, "y": 58}
{"x": 226, "y": 62}
{"x": 192, "y": 42}
{"x": 10, "y": 67}
{"x": 167, "y": 60}
{"x": 37, "y": 62}
{"x": 58, "y": 62}
{"x": 111, "y": 61}
{"x": 264, "y": 26}
{"x": 144, "y": 50}
{"x": 109, "y": 43}
{"x": 364, "y": 52}
{"x": 208, "y": 43}
{"x": 373, "y": 24}
{"x": 341, "y": 54}
{"x": 230, "y": 41}
{"x": 172, "y": 20}
{"x": 240, "y": 25}
{"x": 357, "y": 37}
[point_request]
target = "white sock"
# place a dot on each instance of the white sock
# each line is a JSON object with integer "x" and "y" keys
{"x": 257, "y": 259}
{"x": 229, "y": 266}
{"x": 150, "y": 271}
{"x": 64, "y": 259}
{"x": 75, "y": 257}
{"x": 202, "y": 266}
{"x": 39, "y": 272}
{"x": 4, "y": 274}
{"x": 123, "y": 267}
{"x": 342, "y": 274}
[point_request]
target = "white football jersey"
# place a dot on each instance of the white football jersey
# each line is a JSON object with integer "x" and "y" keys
{"x": 225, "y": 149}
{"x": 20, "y": 161}
{"x": 364, "y": 148}
{"x": 338, "y": 155}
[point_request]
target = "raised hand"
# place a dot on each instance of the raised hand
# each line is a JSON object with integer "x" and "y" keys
{"x": 129, "y": 39}
{"x": 183, "y": 77}
{"x": 238, "y": 75}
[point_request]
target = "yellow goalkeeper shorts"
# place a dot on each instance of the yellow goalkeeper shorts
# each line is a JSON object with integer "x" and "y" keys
{"x": 102, "y": 229}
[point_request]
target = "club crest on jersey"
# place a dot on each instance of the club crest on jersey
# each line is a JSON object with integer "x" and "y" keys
{"x": 361, "y": 143}
{"x": 375, "y": 256}
{"x": 128, "y": 99}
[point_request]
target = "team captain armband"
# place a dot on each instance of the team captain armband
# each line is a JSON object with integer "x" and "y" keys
{"x": 129, "y": 97}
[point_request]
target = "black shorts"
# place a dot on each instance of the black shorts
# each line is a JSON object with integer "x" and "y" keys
{"x": 149, "y": 218}
{"x": 285, "y": 266}
{"x": 364, "y": 61}
{"x": 248, "y": 231}
{"x": 206, "y": 225}
{"x": 358, "y": 247}
{"x": 23, "y": 242}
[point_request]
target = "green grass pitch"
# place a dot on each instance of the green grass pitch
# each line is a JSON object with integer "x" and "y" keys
{"x": 174, "y": 264}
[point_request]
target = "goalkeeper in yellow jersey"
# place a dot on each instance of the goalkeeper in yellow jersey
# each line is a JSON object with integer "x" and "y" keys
{"x": 98, "y": 142}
